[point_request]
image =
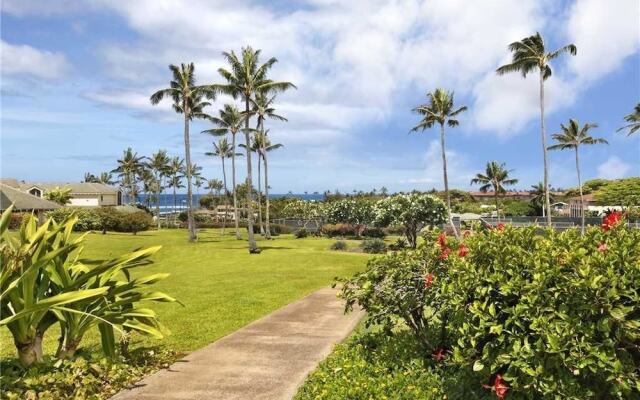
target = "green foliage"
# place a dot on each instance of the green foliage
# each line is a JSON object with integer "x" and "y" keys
{"x": 557, "y": 315}
{"x": 105, "y": 219}
{"x": 58, "y": 195}
{"x": 279, "y": 229}
{"x": 301, "y": 233}
{"x": 358, "y": 212}
{"x": 339, "y": 245}
{"x": 16, "y": 220}
{"x": 83, "y": 378}
{"x": 412, "y": 211}
{"x": 621, "y": 192}
{"x": 515, "y": 208}
{"x": 334, "y": 230}
{"x": 208, "y": 201}
{"x": 374, "y": 232}
{"x": 373, "y": 246}
{"x": 399, "y": 244}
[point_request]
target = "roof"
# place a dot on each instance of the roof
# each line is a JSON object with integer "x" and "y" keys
{"x": 76, "y": 187}
{"x": 503, "y": 194}
{"x": 587, "y": 197}
{"x": 23, "y": 201}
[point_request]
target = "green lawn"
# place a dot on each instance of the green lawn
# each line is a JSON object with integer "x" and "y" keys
{"x": 222, "y": 286}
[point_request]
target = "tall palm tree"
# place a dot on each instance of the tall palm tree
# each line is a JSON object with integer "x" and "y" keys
{"x": 634, "y": 121}
{"x": 175, "y": 173}
{"x": 245, "y": 78}
{"x": 196, "y": 175}
{"x": 496, "y": 177}
{"x": 262, "y": 107}
{"x": 90, "y": 178}
{"x": 440, "y": 110}
{"x": 223, "y": 150}
{"x": 158, "y": 163}
{"x": 106, "y": 178}
{"x": 215, "y": 186}
{"x": 572, "y": 137}
{"x": 229, "y": 120}
{"x": 129, "y": 167}
{"x": 149, "y": 184}
{"x": 189, "y": 100}
{"x": 530, "y": 54}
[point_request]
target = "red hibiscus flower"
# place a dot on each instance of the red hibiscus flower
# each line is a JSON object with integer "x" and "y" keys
{"x": 445, "y": 253}
{"x": 499, "y": 386}
{"x": 442, "y": 240}
{"x": 438, "y": 354}
{"x": 463, "y": 250}
{"x": 602, "y": 248}
{"x": 611, "y": 219}
{"x": 466, "y": 233}
{"x": 500, "y": 226}
{"x": 428, "y": 280}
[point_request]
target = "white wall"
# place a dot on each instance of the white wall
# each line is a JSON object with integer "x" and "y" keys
{"x": 85, "y": 202}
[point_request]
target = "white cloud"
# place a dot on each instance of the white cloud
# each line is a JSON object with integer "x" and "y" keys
{"x": 27, "y": 60}
{"x": 458, "y": 169}
{"x": 613, "y": 168}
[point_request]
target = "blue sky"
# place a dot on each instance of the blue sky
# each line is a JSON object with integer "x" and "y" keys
{"x": 77, "y": 75}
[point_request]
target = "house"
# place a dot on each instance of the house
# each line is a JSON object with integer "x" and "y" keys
{"x": 24, "y": 202}
{"x": 489, "y": 196}
{"x": 83, "y": 194}
{"x": 590, "y": 206}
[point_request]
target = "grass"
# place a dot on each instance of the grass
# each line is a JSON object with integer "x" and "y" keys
{"x": 222, "y": 286}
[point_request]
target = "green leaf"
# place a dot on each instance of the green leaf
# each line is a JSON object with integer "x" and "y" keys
{"x": 478, "y": 366}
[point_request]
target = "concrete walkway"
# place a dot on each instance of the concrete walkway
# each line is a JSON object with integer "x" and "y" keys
{"x": 267, "y": 359}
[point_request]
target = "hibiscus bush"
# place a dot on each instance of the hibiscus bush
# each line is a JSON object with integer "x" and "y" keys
{"x": 530, "y": 314}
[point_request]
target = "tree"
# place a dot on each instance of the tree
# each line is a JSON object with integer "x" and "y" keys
{"x": 496, "y": 177}
{"x": 59, "y": 195}
{"x": 158, "y": 163}
{"x": 412, "y": 211}
{"x": 229, "y": 120}
{"x": 188, "y": 99}
{"x": 262, "y": 107}
{"x": 357, "y": 212}
{"x": 245, "y": 79}
{"x": 106, "y": 178}
{"x": 571, "y": 137}
{"x": 90, "y": 178}
{"x": 175, "y": 173}
{"x": 539, "y": 197}
{"x": 634, "y": 121}
{"x": 149, "y": 184}
{"x": 530, "y": 54}
{"x": 215, "y": 185}
{"x": 129, "y": 166}
{"x": 440, "y": 110}
{"x": 196, "y": 174}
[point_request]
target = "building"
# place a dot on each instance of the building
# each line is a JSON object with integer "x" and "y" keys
{"x": 24, "y": 202}
{"x": 83, "y": 194}
{"x": 489, "y": 196}
{"x": 590, "y": 207}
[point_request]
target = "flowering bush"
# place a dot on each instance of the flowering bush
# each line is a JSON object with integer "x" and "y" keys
{"x": 412, "y": 211}
{"x": 357, "y": 212}
{"x": 552, "y": 315}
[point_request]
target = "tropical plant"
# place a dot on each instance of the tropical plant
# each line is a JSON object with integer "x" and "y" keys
{"x": 175, "y": 172}
{"x": 189, "y": 100}
{"x": 262, "y": 108}
{"x": 229, "y": 120}
{"x": 196, "y": 174}
{"x": 129, "y": 167}
{"x": 59, "y": 195}
{"x": 529, "y": 55}
{"x": 572, "y": 137}
{"x": 440, "y": 110}
{"x": 245, "y": 79}
{"x": 358, "y": 212}
{"x": 373, "y": 246}
{"x": 634, "y": 121}
{"x": 158, "y": 163}
{"x": 412, "y": 211}
{"x": 215, "y": 186}
{"x": 90, "y": 178}
{"x": 496, "y": 177}
{"x": 106, "y": 178}
{"x": 538, "y": 198}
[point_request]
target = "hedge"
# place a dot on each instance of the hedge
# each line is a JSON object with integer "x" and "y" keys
{"x": 104, "y": 219}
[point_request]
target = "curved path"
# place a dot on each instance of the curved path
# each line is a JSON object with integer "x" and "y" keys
{"x": 267, "y": 359}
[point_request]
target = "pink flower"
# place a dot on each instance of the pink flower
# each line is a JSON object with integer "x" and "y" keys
{"x": 445, "y": 253}
{"x": 499, "y": 386}
{"x": 466, "y": 233}
{"x": 611, "y": 220}
{"x": 602, "y": 248}
{"x": 463, "y": 250}
{"x": 438, "y": 354}
{"x": 500, "y": 226}
{"x": 428, "y": 280}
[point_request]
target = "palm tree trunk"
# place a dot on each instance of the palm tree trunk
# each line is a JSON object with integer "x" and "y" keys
{"x": 233, "y": 182}
{"x": 253, "y": 247}
{"x": 187, "y": 156}
{"x": 581, "y": 197}
{"x": 260, "y": 199}
{"x": 495, "y": 197}
{"x": 547, "y": 202}
{"x": 159, "y": 185}
{"x": 266, "y": 196}
{"x": 446, "y": 180}
{"x": 174, "y": 205}
{"x": 224, "y": 178}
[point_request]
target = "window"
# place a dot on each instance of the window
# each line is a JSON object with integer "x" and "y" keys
{"x": 36, "y": 192}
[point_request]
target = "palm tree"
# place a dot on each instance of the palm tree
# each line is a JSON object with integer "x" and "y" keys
{"x": 158, "y": 163}
{"x": 214, "y": 185}
{"x": 196, "y": 174}
{"x": 188, "y": 99}
{"x": 106, "y": 178}
{"x": 634, "y": 121}
{"x": 229, "y": 120}
{"x": 263, "y": 108}
{"x": 538, "y": 193}
{"x": 530, "y": 54}
{"x": 149, "y": 185}
{"x": 175, "y": 173}
{"x": 246, "y": 78}
{"x": 129, "y": 167}
{"x": 440, "y": 110}
{"x": 571, "y": 137}
{"x": 496, "y": 177}
{"x": 90, "y": 178}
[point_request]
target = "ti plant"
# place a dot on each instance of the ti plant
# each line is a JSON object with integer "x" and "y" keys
{"x": 44, "y": 282}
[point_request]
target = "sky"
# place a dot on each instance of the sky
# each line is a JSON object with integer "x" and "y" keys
{"x": 76, "y": 77}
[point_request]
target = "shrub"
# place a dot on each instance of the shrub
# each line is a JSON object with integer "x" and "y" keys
{"x": 134, "y": 222}
{"x": 334, "y": 230}
{"x": 373, "y": 246}
{"x": 399, "y": 244}
{"x": 339, "y": 245}
{"x": 182, "y": 216}
{"x": 555, "y": 315}
{"x": 279, "y": 229}
{"x": 356, "y": 212}
{"x": 301, "y": 233}
{"x": 374, "y": 232}
{"x": 16, "y": 220}
{"x": 207, "y": 201}
{"x": 127, "y": 219}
